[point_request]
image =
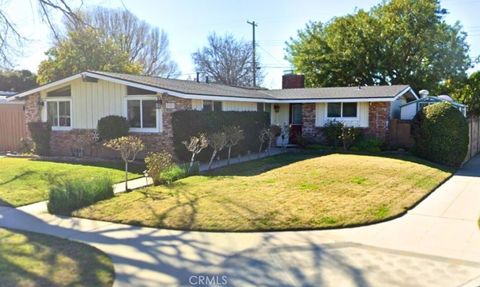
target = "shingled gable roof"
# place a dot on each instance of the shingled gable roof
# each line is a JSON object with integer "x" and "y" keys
{"x": 196, "y": 90}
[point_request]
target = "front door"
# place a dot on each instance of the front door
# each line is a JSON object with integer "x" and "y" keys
{"x": 296, "y": 122}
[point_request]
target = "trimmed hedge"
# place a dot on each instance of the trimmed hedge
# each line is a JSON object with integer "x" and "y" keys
{"x": 40, "y": 133}
{"x": 112, "y": 127}
{"x": 188, "y": 123}
{"x": 441, "y": 134}
{"x": 73, "y": 194}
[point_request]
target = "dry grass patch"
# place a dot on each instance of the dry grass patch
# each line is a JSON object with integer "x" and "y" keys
{"x": 32, "y": 259}
{"x": 290, "y": 191}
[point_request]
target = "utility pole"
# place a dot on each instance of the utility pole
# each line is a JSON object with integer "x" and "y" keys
{"x": 254, "y": 62}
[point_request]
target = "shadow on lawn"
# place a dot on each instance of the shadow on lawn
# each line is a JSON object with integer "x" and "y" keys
{"x": 83, "y": 260}
{"x": 17, "y": 177}
{"x": 259, "y": 166}
{"x": 136, "y": 167}
{"x": 175, "y": 256}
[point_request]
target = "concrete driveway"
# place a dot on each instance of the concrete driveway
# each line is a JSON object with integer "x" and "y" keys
{"x": 436, "y": 244}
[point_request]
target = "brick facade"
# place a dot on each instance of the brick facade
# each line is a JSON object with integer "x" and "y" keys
{"x": 378, "y": 120}
{"x": 292, "y": 81}
{"x": 80, "y": 142}
{"x": 32, "y": 110}
{"x": 309, "y": 130}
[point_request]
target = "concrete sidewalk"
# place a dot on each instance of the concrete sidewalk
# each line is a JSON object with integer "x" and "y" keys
{"x": 436, "y": 244}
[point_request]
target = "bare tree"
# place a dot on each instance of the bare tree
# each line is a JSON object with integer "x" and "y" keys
{"x": 267, "y": 135}
{"x": 227, "y": 60}
{"x": 143, "y": 43}
{"x": 217, "y": 142}
{"x": 234, "y": 135}
{"x": 11, "y": 40}
{"x": 128, "y": 147}
{"x": 195, "y": 145}
{"x": 47, "y": 7}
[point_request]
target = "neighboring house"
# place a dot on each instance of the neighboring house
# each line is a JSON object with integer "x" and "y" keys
{"x": 75, "y": 104}
{"x": 409, "y": 110}
{"x": 4, "y": 95}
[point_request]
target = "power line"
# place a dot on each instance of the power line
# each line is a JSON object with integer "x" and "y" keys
{"x": 268, "y": 53}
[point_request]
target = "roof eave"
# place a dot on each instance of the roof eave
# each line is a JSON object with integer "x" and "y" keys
{"x": 205, "y": 96}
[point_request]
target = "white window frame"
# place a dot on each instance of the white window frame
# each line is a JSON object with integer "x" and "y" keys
{"x": 341, "y": 112}
{"x": 158, "y": 114}
{"x": 57, "y": 100}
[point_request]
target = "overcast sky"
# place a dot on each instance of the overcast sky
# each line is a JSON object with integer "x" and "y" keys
{"x": 188, "y": 24}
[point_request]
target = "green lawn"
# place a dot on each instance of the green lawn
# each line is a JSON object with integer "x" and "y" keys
{"x": 24, "y": 181}
{"x": 32, "y": 259}
{"x": 290, "y": 191}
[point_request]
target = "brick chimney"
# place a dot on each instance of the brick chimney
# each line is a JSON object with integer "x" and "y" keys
{"x": 293, "y": 81}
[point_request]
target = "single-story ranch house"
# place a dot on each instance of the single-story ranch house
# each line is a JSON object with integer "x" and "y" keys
{"x": 75, "y": 104}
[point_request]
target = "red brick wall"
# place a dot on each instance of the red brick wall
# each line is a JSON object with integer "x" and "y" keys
{"x": 378, "y": 120}
{"x": 32, "y": 109}
{"x": 292, "y": 81}
{"x": 309, "y": 130}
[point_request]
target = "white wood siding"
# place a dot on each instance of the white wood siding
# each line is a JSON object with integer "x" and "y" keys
{"x": 197, "y": 105}
{"x": 93, "y": 101}
{"x": 408, "y": 112}
{"x": 229, "y": 106}
{"x": 239, "y": 106}
{"x": 283, "y": 115}
{"x": 360, "y": 121}
{"x": 395, "y": 107}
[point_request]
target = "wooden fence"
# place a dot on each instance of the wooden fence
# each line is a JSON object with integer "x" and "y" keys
{"x": 474, "y": 136}
{"x": 12, "y": 126}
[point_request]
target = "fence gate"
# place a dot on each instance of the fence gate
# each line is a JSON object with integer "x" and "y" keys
{"x": 474, "y": 136}
{"x": 12, "y": 126}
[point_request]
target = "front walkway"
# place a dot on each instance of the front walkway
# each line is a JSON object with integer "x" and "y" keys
{"x": 436, "y": 244}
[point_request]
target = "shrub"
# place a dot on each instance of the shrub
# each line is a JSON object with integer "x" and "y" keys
{"x": 65, "y": 197}
{"x": 40, "y": 133}
{"x": 188, "y": 123}
{"x": 336, "y": 133}
{"x": 112, "y": 127}
{"x": 157, "y": 163}
{"x": 302, "y": 140}
{"x": 440, "y": 132}
{"x": 176, "y": 172}
{"x": 349, "y": 135}
{"x": 367, "y": 144}
{"x": 275, "y": 130}
{"x": 333, "y": 131}
{"x": 26, "y": 146}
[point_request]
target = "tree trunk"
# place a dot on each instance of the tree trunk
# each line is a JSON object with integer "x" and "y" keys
{"x": 229, "y": 152}
{"x": 126, "y": 176}
{"x": 261, "y": 145}
{"x": 191, "y": 162}
{"x": 211, "y": 159}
